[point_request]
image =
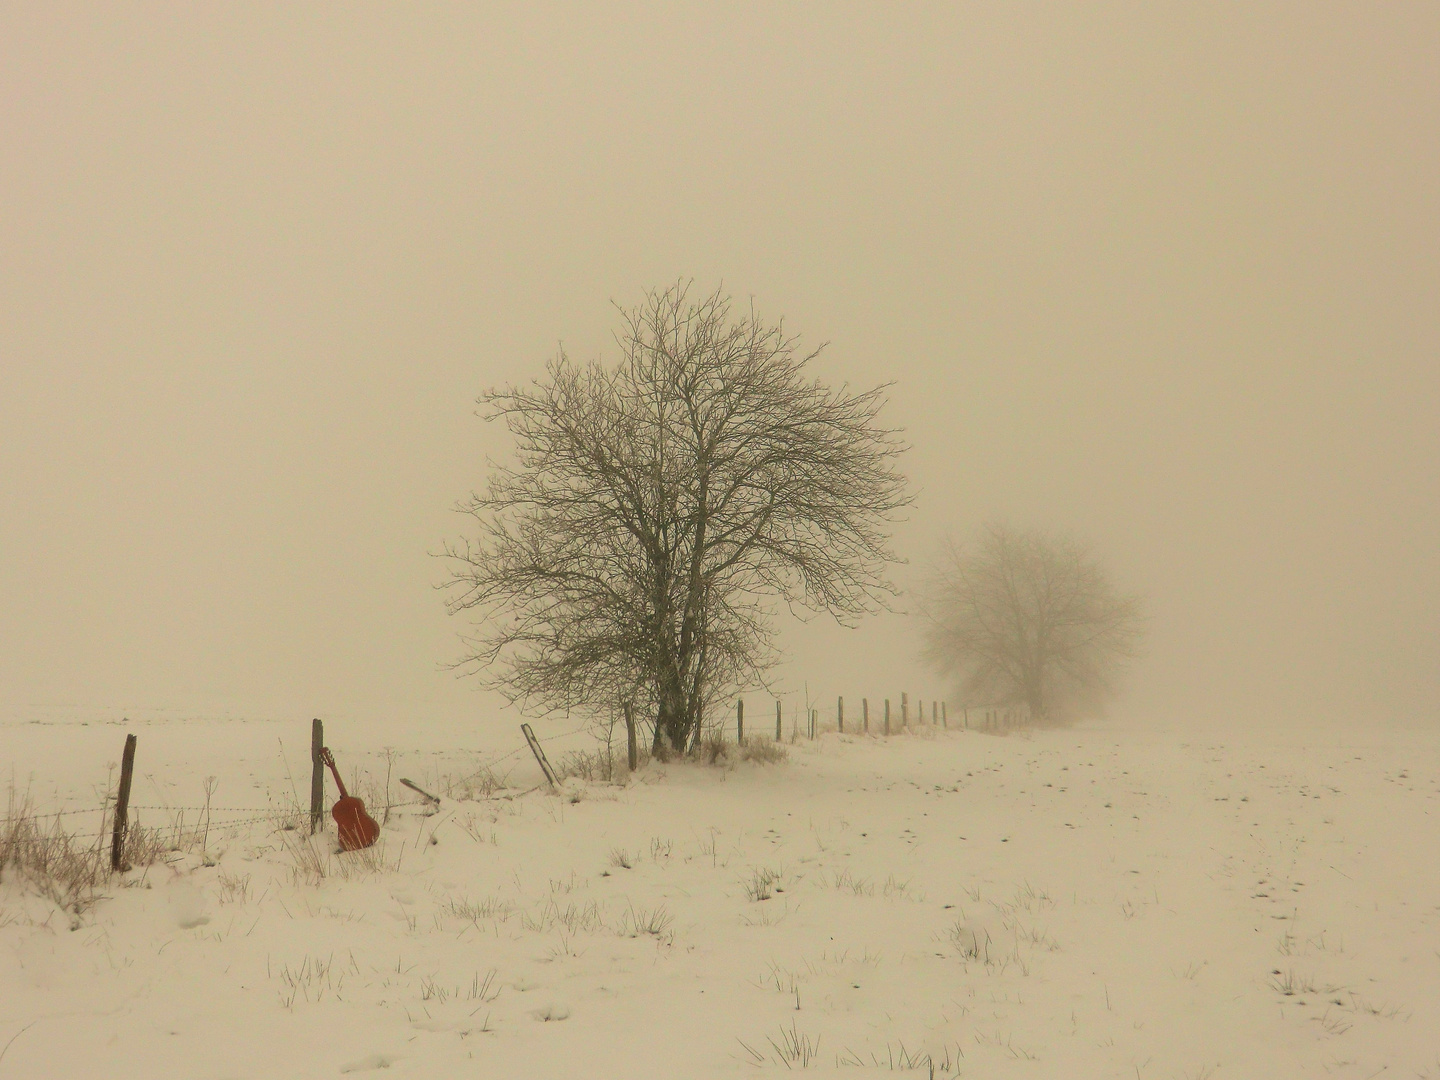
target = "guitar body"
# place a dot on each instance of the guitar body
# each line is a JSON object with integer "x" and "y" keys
{"x": 357, "y": 829}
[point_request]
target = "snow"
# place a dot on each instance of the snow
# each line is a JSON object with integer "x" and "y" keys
{"x": 1092, "y": 902}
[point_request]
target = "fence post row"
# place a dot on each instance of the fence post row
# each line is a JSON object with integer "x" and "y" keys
{"x": 939, "y": 716}
{"x": 317, "y": 775}
{"x": 992, "y": 718}
{"x": 122, "y": 806}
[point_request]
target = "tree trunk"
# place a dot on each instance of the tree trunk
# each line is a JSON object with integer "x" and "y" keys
{"x": 1035, "y": 699}
{"x": 672, "y": 726}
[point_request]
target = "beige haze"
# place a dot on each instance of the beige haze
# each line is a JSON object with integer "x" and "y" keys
{"x": 1164, "y": 275}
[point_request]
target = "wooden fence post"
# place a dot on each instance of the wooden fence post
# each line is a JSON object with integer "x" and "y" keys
{"x": 840, "y": 714}
{"x": 934, "y": 712}
{"x": 535, "y": 749}
{"x": 122, "y": 806}
{"x": 944, "y": 719}
{"x": 317, "y": 775}
{"x": 904, "y": 711}
{"x": 865, "y": 712}
{"x": 740, "y": 722}
{"x": 630, "y": 736}
{"x": 779, "y": 734}
{"x": 887, "y": 716}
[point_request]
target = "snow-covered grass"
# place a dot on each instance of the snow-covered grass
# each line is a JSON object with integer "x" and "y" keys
{"x": 1086, "y": 903}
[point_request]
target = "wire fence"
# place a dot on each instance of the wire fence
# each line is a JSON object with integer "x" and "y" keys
{"x": 226, "y": 816}
{"x": 210, "y": 816}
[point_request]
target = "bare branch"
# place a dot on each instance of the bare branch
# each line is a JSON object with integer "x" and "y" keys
{"x": 656, "y": 511}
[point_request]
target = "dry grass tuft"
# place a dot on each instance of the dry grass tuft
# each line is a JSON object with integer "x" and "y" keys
{"x": 477, "y": 786}
{"x": 764, "y": 883}
{"x": 793, "y": 1049}
{"x": 309, "y": 862}
{"x": 764, "y": 751}
{"x": 67, "y": 868}
{"x": 64, "y": 868}
{"x": 592, "y": 766}
{"x": 312, "y": 860}
{"x": 714, "y": 750}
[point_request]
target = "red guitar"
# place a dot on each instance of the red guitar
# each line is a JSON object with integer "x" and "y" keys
{"x": 357, "y": 828}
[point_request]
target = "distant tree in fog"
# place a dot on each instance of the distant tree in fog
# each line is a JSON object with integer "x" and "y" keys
{"x": 1029, "y": 618}
{"x": 658, "y": 510}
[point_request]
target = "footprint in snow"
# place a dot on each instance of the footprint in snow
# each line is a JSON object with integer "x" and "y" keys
{"x": 369, "y": 1062}
{"x": 187, "y": 905}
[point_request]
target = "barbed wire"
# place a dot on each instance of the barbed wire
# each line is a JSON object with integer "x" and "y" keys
{"x": 60, "y": 813}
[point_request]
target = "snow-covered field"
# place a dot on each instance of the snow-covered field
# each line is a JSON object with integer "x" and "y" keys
{"x": 1082, "y": 903}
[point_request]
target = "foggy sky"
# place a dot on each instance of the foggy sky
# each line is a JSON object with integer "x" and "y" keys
{"x": 1166, "y": 276}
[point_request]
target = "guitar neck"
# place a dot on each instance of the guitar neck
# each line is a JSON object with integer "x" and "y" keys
{"x": 336, "y": 773}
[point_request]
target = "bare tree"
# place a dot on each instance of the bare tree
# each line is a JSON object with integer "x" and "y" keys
{"x": 1029, "y": 618}
{"x": 657, "y": 511}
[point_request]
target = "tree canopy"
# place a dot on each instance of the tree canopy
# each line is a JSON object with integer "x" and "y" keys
{"x": 1029, "y": 618}
{"x": 657, "y": 511}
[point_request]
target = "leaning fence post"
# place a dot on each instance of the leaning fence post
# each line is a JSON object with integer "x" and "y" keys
{"x": 740, "y": 722}
{"x": 122, "y": 806}
{"x": 779, "y": 735}
{"x": 865, "y": 712}
{"x": 539, "y": 754}
{"x": 317, "y": 775}
{"x": 840, "y": 714}
{"x": 630, "y": 735}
